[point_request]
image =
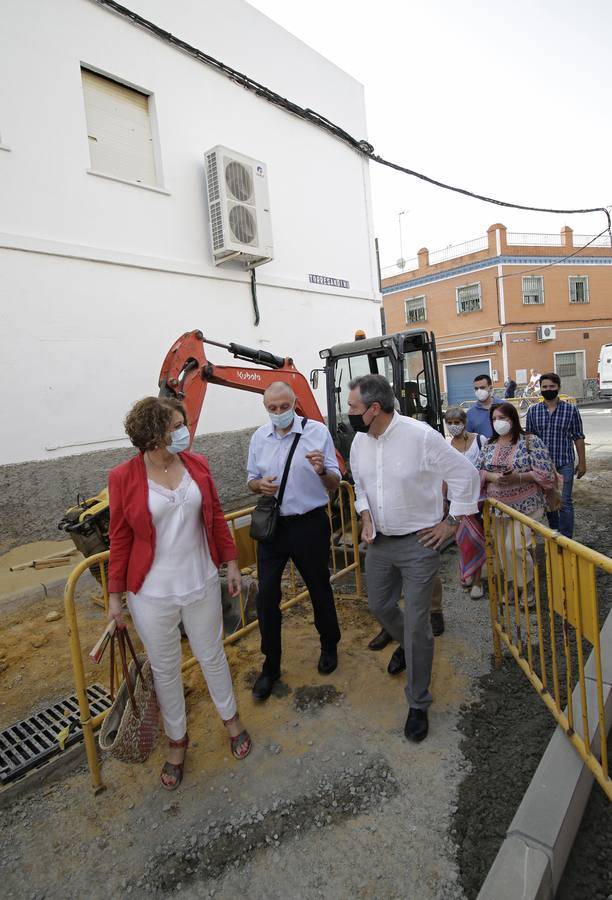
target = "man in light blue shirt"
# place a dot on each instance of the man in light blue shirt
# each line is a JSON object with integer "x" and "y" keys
{"x": 479, "y": 416}
{"x": 303, "y": 531}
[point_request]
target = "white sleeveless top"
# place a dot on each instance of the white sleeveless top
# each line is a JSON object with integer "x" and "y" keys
{"x": 473, "y": 451}
{"x": 182, "y": 565}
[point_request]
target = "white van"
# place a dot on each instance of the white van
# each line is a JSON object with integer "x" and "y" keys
{"x": 604, "y": 371}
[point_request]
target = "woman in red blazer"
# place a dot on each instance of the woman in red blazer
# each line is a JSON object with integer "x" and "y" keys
{"x": 168, "y": 537}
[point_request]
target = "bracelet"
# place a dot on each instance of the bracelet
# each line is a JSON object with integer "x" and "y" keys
{"x": 322, "y": 474}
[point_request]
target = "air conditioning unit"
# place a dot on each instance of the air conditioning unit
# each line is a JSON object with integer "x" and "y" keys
{"x": 238, "y": 208}
{"x": 547, "y": 332}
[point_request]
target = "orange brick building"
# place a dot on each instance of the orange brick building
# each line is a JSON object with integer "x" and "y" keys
{"x": 508, "y": 302}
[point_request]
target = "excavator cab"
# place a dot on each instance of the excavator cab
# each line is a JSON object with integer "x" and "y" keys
{"x": 407, "y": 359}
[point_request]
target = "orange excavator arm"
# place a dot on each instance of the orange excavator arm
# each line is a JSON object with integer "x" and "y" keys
{"x": 186, "y": 374}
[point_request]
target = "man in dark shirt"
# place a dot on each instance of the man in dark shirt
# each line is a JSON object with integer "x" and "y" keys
{"x": 559, "y": 425}
{"x": 510, "y": 386}
{"x": 478, "y": 417}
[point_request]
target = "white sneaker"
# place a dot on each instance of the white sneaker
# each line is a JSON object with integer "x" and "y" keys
{"x": 477, "y": 592}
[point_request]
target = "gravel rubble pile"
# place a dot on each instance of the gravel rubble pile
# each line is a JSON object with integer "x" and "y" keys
{"x": 225, "y": 844}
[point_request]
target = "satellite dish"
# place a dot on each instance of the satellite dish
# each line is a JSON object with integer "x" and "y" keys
{"x": 401, "y": 263}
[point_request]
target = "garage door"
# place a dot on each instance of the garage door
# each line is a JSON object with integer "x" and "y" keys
{"x": 460, "y": 380}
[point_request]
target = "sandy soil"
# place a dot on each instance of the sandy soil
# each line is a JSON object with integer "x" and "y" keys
{"x": 330, "y": 789}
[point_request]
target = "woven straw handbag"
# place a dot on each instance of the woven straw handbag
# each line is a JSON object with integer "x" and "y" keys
{"x": 129, "y": 731}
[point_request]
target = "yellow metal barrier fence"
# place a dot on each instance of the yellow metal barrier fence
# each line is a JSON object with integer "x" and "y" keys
{"x": 547, "y": 623}
{"x": 344, "y": 561}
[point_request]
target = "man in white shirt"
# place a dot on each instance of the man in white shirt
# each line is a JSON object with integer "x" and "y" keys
{"x": 398, "y": 465}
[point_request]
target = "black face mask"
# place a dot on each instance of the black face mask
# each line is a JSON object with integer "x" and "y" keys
{"x": 357, "y": 423}
{"x": 550, "y": 395}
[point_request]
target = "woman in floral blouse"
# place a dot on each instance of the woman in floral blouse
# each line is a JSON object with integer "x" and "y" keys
{"x": 516, "y": 469}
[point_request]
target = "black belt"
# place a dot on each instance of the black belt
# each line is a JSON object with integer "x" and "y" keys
{"x": 311, "y": 512}
{"x": 396, "y": 536}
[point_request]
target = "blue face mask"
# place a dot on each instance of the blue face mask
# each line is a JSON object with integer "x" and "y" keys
{"x": 180, "y": 440}
{"x": 282, "y": 420}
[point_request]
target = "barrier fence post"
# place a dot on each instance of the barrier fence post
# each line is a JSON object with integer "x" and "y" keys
{"x": 79, "y": 671}
{"x": 493, "y": 603}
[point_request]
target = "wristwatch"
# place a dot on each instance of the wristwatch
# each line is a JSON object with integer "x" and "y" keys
{"x": 452, "y": 521}
{"x": 322, "y": 474}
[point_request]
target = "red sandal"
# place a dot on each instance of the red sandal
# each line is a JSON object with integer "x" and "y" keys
{"x": 174, "y": 770}
{"x": 241, "y": 744}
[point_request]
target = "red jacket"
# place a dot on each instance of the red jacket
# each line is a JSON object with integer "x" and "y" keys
{"x": 132, "y": 535}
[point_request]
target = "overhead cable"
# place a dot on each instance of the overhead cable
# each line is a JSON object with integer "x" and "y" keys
{"x": 320, "y": 121}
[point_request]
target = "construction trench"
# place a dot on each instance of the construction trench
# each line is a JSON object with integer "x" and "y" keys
{"x": 332, "y": 802}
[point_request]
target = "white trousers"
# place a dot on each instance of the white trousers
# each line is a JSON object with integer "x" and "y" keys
{"x": 508, "y": 526}
{"x": 157, "y": 621}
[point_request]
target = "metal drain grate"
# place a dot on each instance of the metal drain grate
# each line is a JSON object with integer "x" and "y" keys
{"x": 31, "y": 742}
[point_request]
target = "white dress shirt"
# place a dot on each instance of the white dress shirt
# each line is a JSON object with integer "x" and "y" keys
{"x": 398, "y": 477}
{"x": 268, "y": 453}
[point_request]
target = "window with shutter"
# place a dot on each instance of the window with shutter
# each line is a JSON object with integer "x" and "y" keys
{"x": 566, "y": 365}
{"x": 118, "y": 129}
{"x": 416, "y": 310}
{"x": 468, "y": 298}
{"x": 579, "y": 288}
{"x": 533, "y": 290}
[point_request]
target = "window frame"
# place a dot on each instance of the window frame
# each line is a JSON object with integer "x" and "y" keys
{"x": 467, "y": 312}
{"x": 584, "y": 279}
{"x": 526, "y": 293}
{"x": 412, "y": 300}
{"x": 159, "y": 185}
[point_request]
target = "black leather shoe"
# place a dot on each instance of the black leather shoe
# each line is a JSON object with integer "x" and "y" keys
{"x": 437, "y": 623}
{"x": 328, "y": 661}
{"x": 416, "y": 726}
{"x": 397, "y": 663}
{"x": 380, "y": 641}
{"x": 263, "y": 686}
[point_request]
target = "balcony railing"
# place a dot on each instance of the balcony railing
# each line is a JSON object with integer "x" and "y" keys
{"x": 409, "y": 266}
{"x": 524, "y": 239}
{"x": 580, "y": 240}
{"x": 455, "y": 250}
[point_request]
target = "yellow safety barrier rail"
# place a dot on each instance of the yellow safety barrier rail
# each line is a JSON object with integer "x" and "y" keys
{"x": 344, "y": 561}
{"x": 548, "y": 623}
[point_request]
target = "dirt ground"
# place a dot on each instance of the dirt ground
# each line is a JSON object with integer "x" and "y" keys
{"x": 330, "y": 790}
{"x": 332, "y": 802}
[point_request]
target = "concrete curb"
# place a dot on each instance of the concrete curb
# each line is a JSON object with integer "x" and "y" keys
{"x": 588, "y": 404}
{"x": 36, "y": 592}
{"x": 532, "y": 858}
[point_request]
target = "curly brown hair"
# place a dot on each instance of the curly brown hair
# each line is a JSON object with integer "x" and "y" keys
{"x": 149, "y": 419}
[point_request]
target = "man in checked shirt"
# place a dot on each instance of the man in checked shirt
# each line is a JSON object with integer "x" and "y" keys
{"x": 559, "y": 425}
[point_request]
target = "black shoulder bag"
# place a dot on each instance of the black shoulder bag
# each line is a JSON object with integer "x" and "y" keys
{"x": 264, "y": 517}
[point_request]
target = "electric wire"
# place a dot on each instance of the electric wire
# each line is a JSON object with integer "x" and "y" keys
{"x": 362, "y": 147}
{"x": 254, "y": 298}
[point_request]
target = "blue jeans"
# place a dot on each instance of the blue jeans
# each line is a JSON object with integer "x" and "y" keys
{"x": 563, "y": 520}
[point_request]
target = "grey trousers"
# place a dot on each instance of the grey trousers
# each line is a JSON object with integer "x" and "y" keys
{"x": 391, "y": 563}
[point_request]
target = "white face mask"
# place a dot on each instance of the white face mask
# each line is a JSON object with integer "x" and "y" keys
{"x": 482, "y": 393}
{"x": 455, "y": 430}
{"x": 502, "y": 426}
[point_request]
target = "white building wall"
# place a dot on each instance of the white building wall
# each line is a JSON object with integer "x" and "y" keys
{"x": 99, "y": 277}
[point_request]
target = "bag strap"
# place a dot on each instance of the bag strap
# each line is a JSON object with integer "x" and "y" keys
{"x": 479, "y": 440}
{"x": 121, "y": 637}
{"x": 281, "y": 490}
